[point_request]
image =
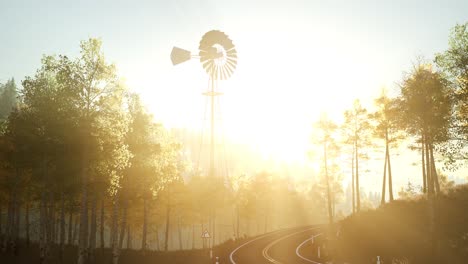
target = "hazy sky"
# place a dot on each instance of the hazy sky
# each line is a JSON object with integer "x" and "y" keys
{"x": 296, "y": 58}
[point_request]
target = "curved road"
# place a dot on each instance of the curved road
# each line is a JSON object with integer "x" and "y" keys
{"x": 290, "y": 246}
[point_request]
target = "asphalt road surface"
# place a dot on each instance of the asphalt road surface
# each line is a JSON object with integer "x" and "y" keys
{"x": 291, "y": 246}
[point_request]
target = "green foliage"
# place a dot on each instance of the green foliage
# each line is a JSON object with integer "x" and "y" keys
{"x": 385, "y": 119}
{"x": 8, "y": 98}
{"x": 357, "y": 126}
{"x": 408, "y": 192}
{"x": 454, "y": 63}
{"x": 425, "y": 104}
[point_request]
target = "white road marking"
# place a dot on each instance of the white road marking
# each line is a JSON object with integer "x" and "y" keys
{"x": 248, "y": 242}
{"x": 265, "y": 250}
{"x": 302, "y": 244}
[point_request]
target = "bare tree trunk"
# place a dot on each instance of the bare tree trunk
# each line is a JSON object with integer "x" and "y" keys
{"x": 384, "y": 179}
{"x": 333, "y": 205}
{"x": 9, "y": 223}
{"x": 102, "y": 224}
{"x": 214, "y": 229}
{"x": 1, "y": 227}
{"x": 83, "y": 234}
{"x": 124, "y": 223}
{"x": 157, "y": 239}
{"x": 16, "y": 227}
{"x": 129, "y": 238}
{"x": 210, "y": 228}
{"x": 114, "y": 234}
{"x": 434, "y": 171}
{"x": 193, "y": 236}
{"x": 70, "y": 227}
{"x": 168, "y": 219}
{"x": 423, "y": 166}
{"x": 13, "y": 219}
{"x": 145, "y": 226}
{"x": 330, "y": 213}
{"x": 203, "y": 230}
{"x": 51, "y": 219}
{"x": 75, "y": 230}
{"x": 238, "y": 222}
{"x": 26, "y": 220}
{"x": 62, "y": 225}
{"x": 390, "y": 182}
{"x": 83, "y": 228}
{"x": 92, "y": 233}
{"x": 180, "y": 234}
{"x": 187, "y": 240}
{"x": 435, "y": 210}
{"x": 42, "y": 229}
{"x": 82, "y": 243}
{"x": 430, "y": 181}
{"x": 353, "y": 183}
{"x": 358, "y": 196}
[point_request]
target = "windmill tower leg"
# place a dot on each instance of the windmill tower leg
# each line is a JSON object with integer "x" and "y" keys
{"x": 212, "y": 140}
{"x": 212, "y": 156}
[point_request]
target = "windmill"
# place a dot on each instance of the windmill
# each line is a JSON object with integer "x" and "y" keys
{"x": 218, "y": 56}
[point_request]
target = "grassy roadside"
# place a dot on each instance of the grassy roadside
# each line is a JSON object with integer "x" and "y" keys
{"x": 400, "y": 230}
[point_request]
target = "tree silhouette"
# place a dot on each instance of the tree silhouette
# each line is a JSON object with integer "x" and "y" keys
{"x": 357, "y": 133}
{"x": 386, "y": 128}
{"x": 426, "y": 108}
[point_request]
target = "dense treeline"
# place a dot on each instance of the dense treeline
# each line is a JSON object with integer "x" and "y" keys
{"x": 83, "y": 164}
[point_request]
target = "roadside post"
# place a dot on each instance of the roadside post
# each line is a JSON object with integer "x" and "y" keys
{"x": 206, "y": 235}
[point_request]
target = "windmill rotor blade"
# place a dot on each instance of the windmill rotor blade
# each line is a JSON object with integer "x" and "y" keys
{"x": 207, "y": 64}
{"x": 179, "y": 55}
{"x": 218, "y": 73}
{"x": 232, "y": 60}
{"x": 231, "y": 65}
{"x": 232, "y": 56}
{"x": 209, "y": 68}
{"x": 221, "y": 73}
{"x": 215, "y": 72}
{"x": 225, "y": 61}
{"x": 204, "y": 58}
{"x": 229, "y": 70}
{"x": 231, "y": 51}
{"x": 225, "y": 73}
